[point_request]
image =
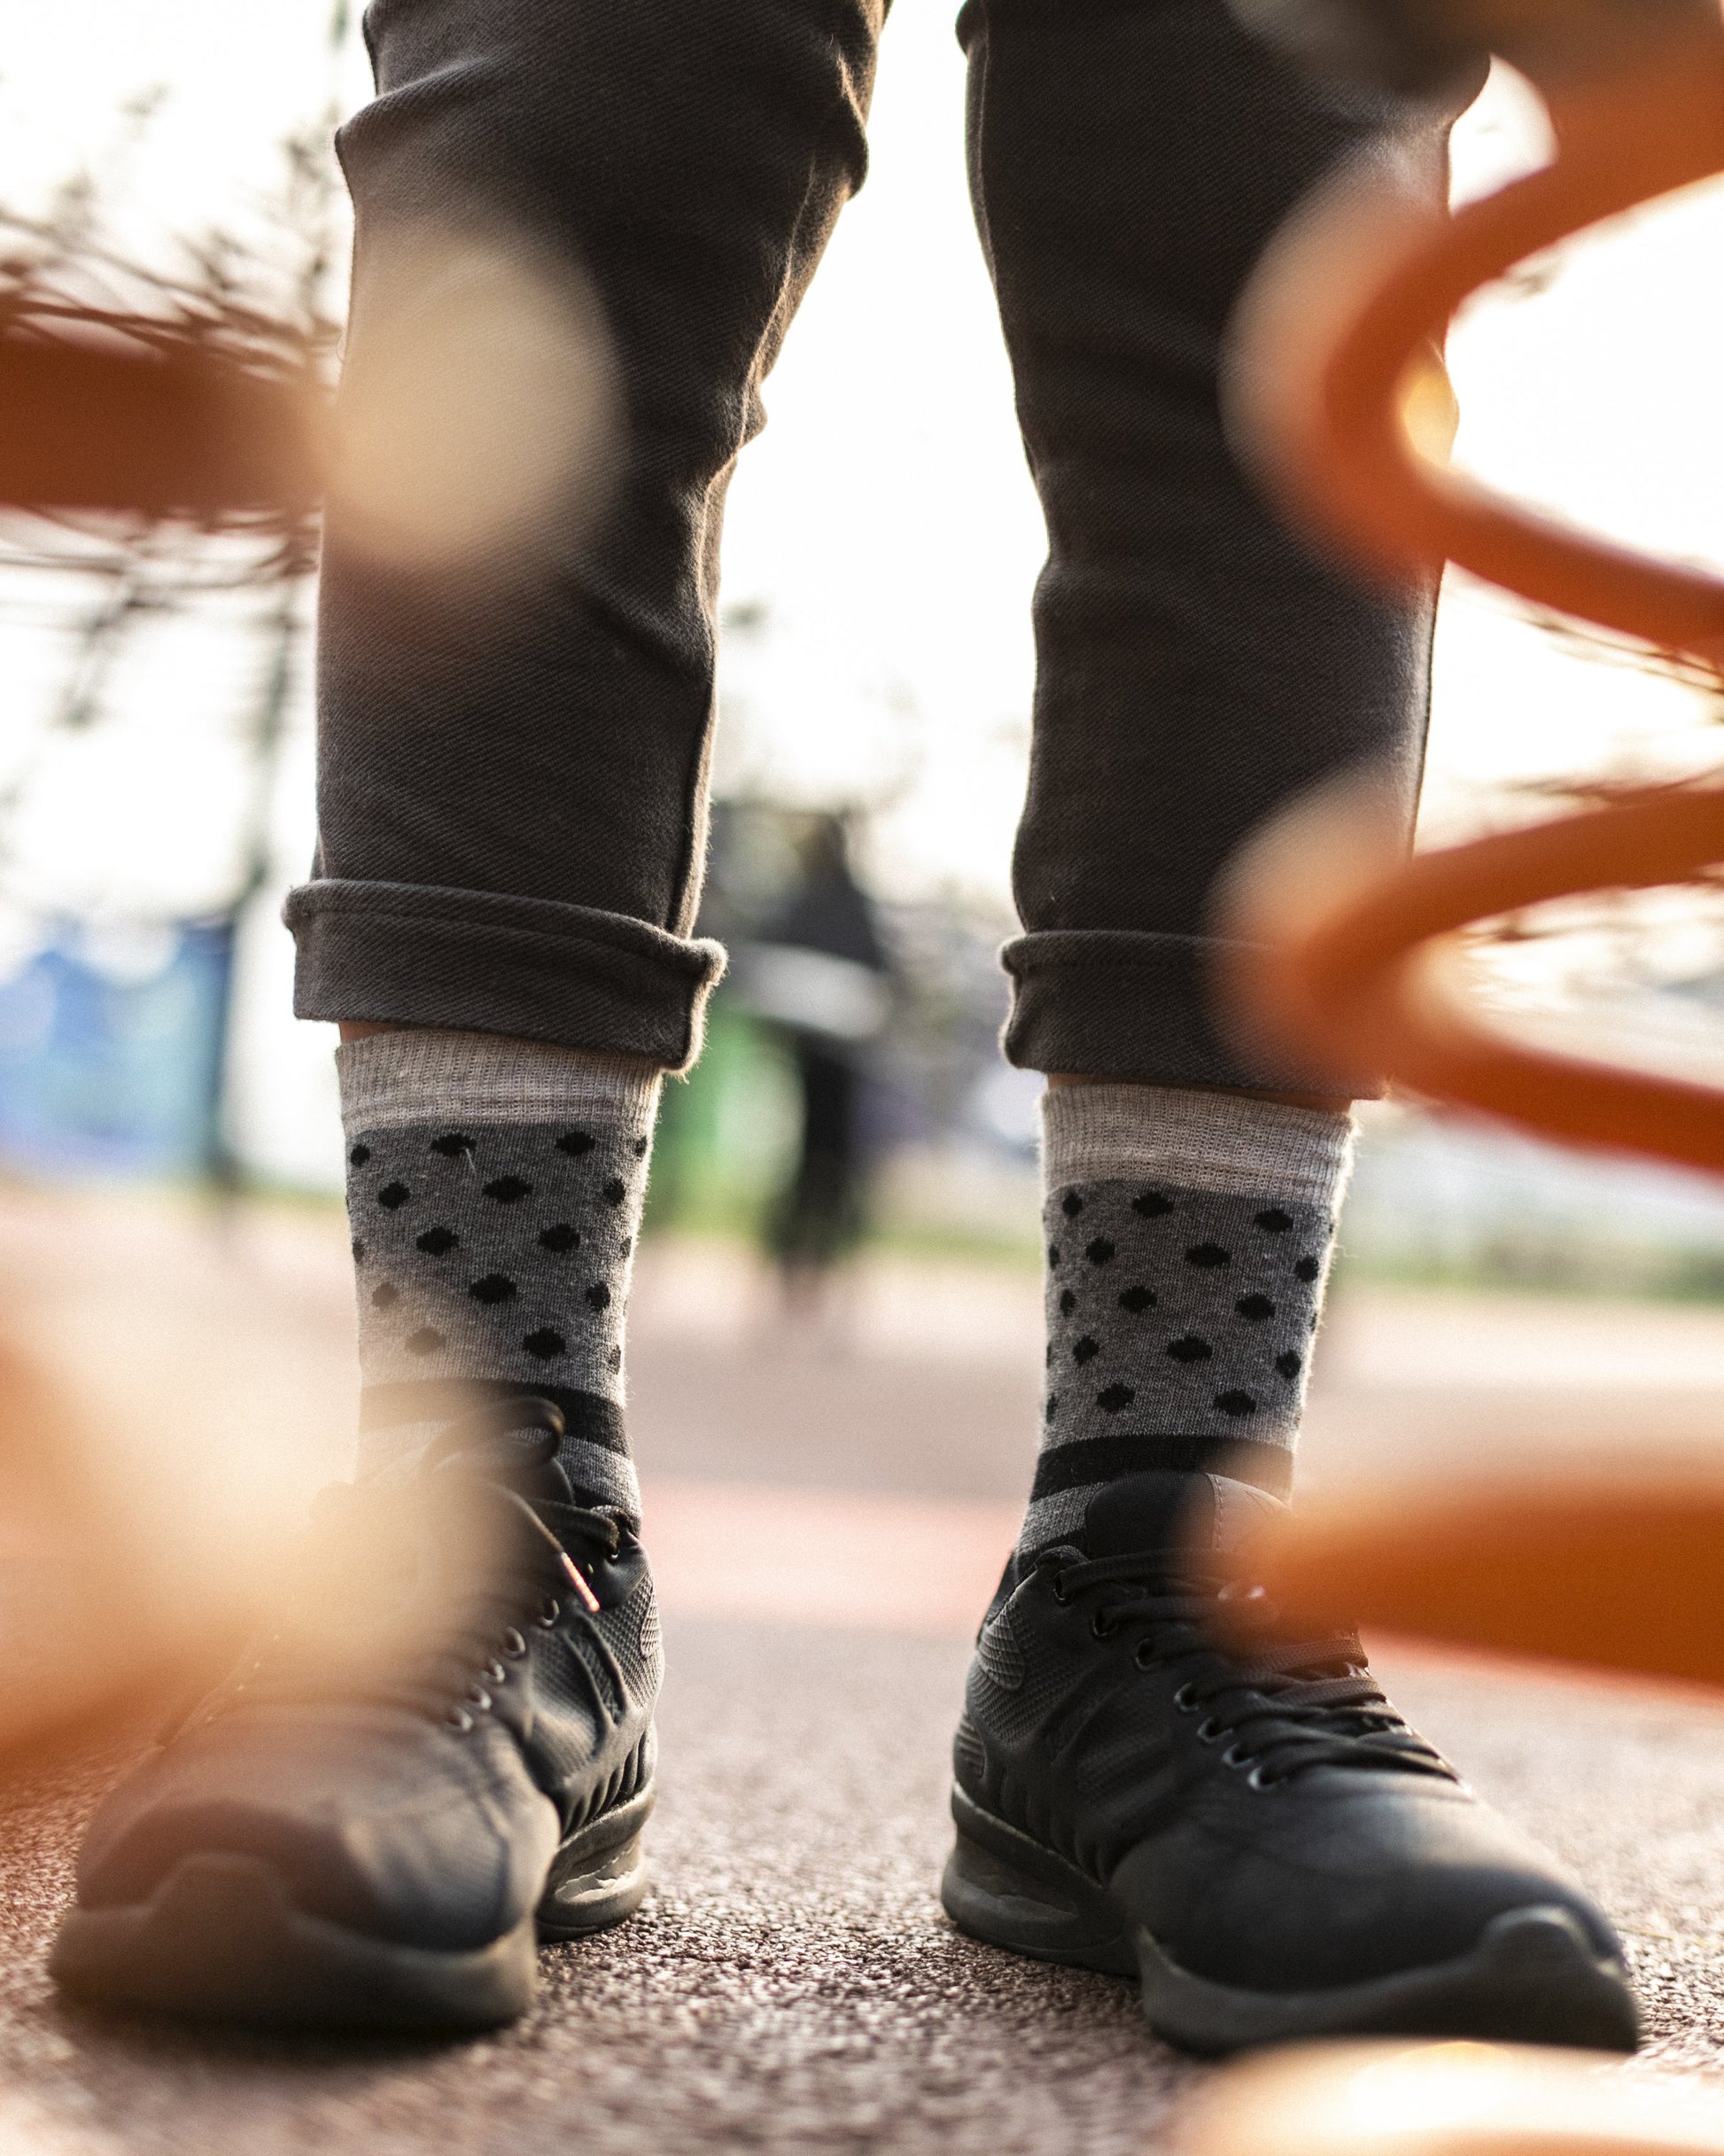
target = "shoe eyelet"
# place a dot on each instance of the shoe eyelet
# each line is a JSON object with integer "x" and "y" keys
{"x": 514, "y": 1643}
{"x": 549, "y": 1610}
{"x": 1257, "y": 1779}
{"x": 458, "y": 1718}
{"x": 1234, "y": 1757}
{"x": 494, "y": 1673}
{"x": 480, "y": 1698}
{"x": 1208, "y": 1730}
{"x": 1185, "y": 1700}
{"x": 1144, "y": 1655}
{"x": 1060, "y": 1594}
{"x": 1099, "y": 1628}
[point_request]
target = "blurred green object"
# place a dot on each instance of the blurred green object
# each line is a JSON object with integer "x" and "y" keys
{"x": 727, "y": 1133}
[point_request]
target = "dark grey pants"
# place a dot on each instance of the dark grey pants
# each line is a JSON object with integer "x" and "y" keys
{"x": 512, "y": 778}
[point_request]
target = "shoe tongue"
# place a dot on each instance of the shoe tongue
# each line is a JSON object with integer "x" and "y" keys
{"x": 513, "y": 1459}
{"x": 542, "y": 1482}
{"x": 1183, "y": 1516}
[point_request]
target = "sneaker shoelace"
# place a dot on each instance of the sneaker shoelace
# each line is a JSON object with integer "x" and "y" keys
{"x": 378, "y": 1634}
{"x": 1284, "y": 1705}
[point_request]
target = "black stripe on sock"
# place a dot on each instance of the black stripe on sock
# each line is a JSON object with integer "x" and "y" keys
{"x": 436, "y": 1399}
{"x": 1103, "y": 1459}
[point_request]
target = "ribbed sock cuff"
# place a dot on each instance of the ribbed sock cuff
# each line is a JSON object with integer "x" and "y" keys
{"x": 418, "y": 1075}
{"x": 1200, "y": 1141}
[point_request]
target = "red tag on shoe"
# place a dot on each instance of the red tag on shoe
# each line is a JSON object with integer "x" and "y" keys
{"x": 579, "y": 1583}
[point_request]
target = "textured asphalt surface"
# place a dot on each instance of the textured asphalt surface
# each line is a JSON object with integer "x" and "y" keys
{"x": 791, "y": 1983}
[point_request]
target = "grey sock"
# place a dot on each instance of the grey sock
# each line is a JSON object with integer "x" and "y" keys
{"x": 1188, "y": 1240}
{"x": 494, "y": 1193}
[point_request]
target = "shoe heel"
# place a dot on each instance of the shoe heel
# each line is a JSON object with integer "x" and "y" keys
{"x": 1001, "y": 1886}
{"x": 599, "y": 1876}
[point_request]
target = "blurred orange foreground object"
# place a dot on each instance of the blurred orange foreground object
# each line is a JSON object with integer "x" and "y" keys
{"x": 1361, "y": 985}
{"x": 1334, "y": 351}
{"x": 1332, "y": 366}
{"x": 1342, "y": 941}
{"x": 105, "y": 424}
{"x": 1443, "y": 2099}
{"x": 1617, "y": 1579}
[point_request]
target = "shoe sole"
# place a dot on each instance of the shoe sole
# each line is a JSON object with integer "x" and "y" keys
{"x": 1532, "y": 1978}
{"x": 220, "y": 1940}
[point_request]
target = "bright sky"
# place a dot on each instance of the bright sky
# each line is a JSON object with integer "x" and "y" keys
{"x": 886, "y": 520}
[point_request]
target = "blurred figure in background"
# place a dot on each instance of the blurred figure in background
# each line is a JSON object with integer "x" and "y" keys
{"x": 820, "y": 973}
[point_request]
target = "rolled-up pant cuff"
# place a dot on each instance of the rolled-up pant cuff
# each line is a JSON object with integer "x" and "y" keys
{"x": 1127, "y": 1003}
{"x": 475, "y": 961}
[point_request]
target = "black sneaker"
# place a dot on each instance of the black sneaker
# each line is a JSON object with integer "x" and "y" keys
{"x": 444, "y": 1753}
{"x": 1255, "y": 1835}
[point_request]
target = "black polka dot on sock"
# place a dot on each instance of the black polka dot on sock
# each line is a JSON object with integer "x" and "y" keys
{"x": 394, "y": 1195}
{"x": 1289, "y": 1365}
{"x": 1308, "y": 1268}
{"x": 1071, "y": 1205}
{"x": 1138, "y": 1299}
{"x": 359, "y": 1253}
{"x": 1053, "y": 1257}
{"x": 1084, "y": 1350}
{"x": 509, "y": 1190}
{"x": 426, "y": 1341}
{"x": 495, "y": 1287}
{"x": 1236, "y": 1404}
{"x": 385, "y": 1296}
{"x": 1256, "y": 1307}
{"x": 624, "y": 1246}
{"x": 437, "y": 1241}
{"x": 454, "y": 1145}
{"x": 545, "y": 1343}
{"x": 360, "y": 1156}
{"x": 1207, "y": 1255}
{"x": 598, "y": 1295}
{"x": 1053, "y": 1407}
{"x": 1101, "y": 1252}
{"x": 1047, "y": 1357}
{"x": 1113, "y": 1397}
{"x": 560, "y": 1238}
{"x": 575, "y": 1142}
{"x": 1274, "y": 1220}
{"x": 639, "y": 1149}
{"x": 1152, "y": 1205}
{"x": 613, "y": 1362}
{"x": 614, "y": 1191}
{"x": 1188, "y": 1348}
{"x": 1068, "y": 1301}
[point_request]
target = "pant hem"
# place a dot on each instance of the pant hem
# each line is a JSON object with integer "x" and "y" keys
{"x": 1138, "y": 1006}
{"x": 482, "y": 963}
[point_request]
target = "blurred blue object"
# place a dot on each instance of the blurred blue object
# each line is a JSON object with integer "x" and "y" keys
{"x": 111, "y": 1050}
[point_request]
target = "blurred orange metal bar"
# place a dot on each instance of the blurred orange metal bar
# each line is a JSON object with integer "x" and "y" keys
{"x": 1341, "y": 959}
{"x": 1343, "y": 429}
{"x": 1337, "y": 357}
{"x": 99, "y": 422}
{"x": 1355, "y": 991}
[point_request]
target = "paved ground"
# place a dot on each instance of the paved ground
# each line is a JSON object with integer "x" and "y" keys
{"x": 791, "y": 1984}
